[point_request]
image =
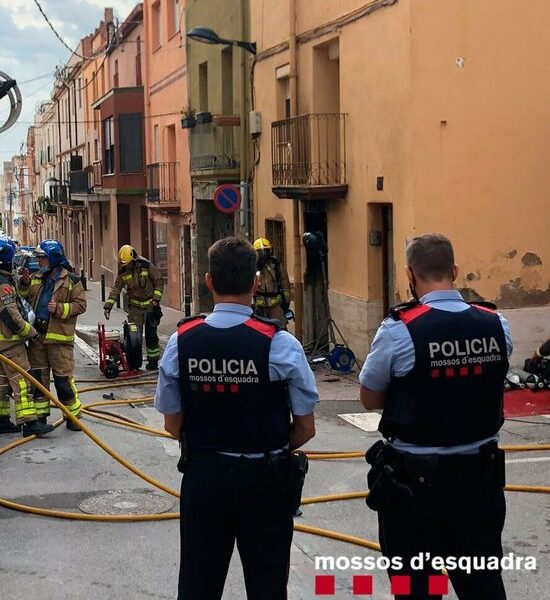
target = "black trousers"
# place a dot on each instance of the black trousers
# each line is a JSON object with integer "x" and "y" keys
{"x": 461, "y": 514}
{"x": 226, "y": 500}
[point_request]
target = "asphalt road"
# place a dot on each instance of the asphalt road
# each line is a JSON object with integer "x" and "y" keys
{"x": 53, "y": 559}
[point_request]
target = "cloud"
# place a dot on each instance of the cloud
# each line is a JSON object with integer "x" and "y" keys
{"x": 30, "y": 49}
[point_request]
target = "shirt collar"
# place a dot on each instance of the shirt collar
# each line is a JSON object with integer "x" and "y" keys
{"x": 442, "y": 295}
{"x": 233, "y": 308}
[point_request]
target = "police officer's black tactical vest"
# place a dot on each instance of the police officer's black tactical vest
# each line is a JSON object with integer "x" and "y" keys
{"x": 228, "y": 402}
{"x": 454, "y": 393}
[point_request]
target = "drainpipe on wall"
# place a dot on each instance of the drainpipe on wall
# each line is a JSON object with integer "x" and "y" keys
{"x": 297, "y": 242}
{"x": 245, "y": 212}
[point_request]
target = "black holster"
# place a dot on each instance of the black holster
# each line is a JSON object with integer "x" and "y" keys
{"x": 386, "y": 478}
{"x": 297, "y": 470}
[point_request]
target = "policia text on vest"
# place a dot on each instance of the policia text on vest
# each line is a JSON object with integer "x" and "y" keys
{"x": 239, "y": 394}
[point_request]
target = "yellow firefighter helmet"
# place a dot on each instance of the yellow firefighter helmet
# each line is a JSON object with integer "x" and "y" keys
{"x": 127, "y": 254}
{"x": 262, "y": 244}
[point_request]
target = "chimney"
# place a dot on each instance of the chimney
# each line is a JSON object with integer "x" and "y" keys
{"x": 108, "y": 18}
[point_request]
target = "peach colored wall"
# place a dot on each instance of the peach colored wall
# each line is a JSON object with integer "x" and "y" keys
{"x": 126, "y": 55}
{"x": 375, "y": 95}
{"x": 166, "y": 93}
{"x": 431, "y": 128}
{"x": 165, "y": 98}
{"x": 481, "y": 139}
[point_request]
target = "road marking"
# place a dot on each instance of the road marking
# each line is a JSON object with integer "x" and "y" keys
{"x": 87, "y": 349}
{"x": 365, "y": 421}
{"x": 527, "y": 460}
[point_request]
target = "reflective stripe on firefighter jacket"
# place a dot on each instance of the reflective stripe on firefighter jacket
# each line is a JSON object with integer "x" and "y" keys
{"x": 14, "y": 329}
{"x": 142, "y": 282}
{"x": 273, "y": 281}
{"x": 68, "y": 294}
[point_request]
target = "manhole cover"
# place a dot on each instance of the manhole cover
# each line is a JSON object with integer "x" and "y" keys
{"x": 126, "y": 503}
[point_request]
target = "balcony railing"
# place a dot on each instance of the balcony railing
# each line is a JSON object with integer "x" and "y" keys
{"x": 79, "y": 182}
{"x": 60, "y": 194}
{"x": 162, "y": 184}
{"x": 97, "y": 174}
{"x": 309, "y": 154}
{"x": 214, "y": 147}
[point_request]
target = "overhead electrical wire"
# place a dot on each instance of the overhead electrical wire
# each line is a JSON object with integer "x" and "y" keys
{"x": 74, "y": 52}
{"x": 34, "y": 79}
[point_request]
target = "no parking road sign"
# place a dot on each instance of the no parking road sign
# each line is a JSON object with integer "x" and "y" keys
{"x": 227, "y": 198}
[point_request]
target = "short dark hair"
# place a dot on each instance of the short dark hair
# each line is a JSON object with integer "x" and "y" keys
{"x": 430, "y": 257}
{"x": 232, "y": 266}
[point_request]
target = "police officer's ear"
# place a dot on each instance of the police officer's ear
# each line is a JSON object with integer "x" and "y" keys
{"x": 208, "y": 282}
{"x": 455, "y": 272}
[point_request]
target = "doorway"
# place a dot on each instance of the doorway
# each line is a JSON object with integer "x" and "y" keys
{"x": 380, "y": 258}
{"x": 123, "y": 224}
{"x": 186, "y": 273}
{"x": 144, "y": 223}
{"x": 315, "y": 309}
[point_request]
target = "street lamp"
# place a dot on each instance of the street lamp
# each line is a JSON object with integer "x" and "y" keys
{"x": 209, "y": 36}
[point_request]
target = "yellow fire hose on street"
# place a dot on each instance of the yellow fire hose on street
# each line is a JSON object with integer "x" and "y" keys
{"x": 94, "y": 411}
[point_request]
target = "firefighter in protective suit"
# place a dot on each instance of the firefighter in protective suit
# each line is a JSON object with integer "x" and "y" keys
{"x": 272, "y": 298}
{"x": 57, "y": 298}
{"x": 144, "y": 286}
{"x": 14, "y": 331}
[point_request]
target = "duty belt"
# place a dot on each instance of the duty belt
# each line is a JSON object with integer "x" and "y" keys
{"x": 41, "y": 325}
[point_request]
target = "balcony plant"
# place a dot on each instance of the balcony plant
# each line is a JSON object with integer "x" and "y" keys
{"x": 203, "y": 117}
{"x": 45, "y": 205}
{"x": 188, "y": 120}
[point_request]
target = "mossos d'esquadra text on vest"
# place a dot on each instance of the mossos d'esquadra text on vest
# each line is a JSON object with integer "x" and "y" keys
{"x": 210, "y": 370}
{"x": 466, "y": 351}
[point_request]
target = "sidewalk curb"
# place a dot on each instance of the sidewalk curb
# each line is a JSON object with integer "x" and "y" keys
{"x": 83, "y": 345}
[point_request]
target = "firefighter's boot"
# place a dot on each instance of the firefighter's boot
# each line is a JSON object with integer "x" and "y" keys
{"x": 72, "y": 426}
{"x": 36, "y": 428}
{"x": 6, "y": 426}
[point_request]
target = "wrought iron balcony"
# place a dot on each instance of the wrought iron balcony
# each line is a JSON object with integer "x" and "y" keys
{"x": 59, "y": 194}
{"x": 162, "y": 184}
{"x": 309, "y": 156}
{"x": 79, "y": 182}
{"x": 214, "y": 147}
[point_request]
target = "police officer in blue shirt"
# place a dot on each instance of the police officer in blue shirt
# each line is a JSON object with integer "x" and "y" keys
{"x": 436, "y": 369}
{"x": 238, "y": 393}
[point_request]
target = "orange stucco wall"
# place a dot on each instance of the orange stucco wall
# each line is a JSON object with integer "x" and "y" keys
{"x": 447, "y": 101}
{"x": 165, "y": 100}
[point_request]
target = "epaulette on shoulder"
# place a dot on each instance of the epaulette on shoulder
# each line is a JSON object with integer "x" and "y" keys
{"x": 192, "y": 318}
{"x": 74, "y": 278}
{"x": 398, "y": 309}
{"x": 275, "y": 322}
{"x": 190, "y": 323}
{"x": 143, "y": 262}
{"x": 483, "y": 304}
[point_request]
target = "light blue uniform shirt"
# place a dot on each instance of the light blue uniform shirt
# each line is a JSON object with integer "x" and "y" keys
{"x": 392, "y": 355}
{"x": 287, "y": 362}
